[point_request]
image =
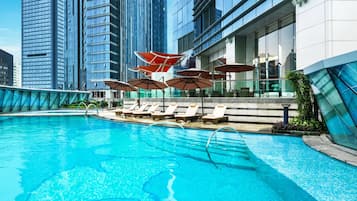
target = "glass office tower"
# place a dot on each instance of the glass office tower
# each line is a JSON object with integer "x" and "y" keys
{"x": 258, "y": 33}
{"x": 180, "y": 28}
{"x": 101, "y": 43}
{"x": 43, "y": 38}
{"x": 142, "y": 28}
{"x": 6, "y": 68}
{"x": 75, "y": 73}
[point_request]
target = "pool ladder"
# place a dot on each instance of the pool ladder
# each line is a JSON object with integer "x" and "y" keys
{"x": 87, "y": 107}
{"x": 214, "y": 134}
{"x": 167, "y": 123}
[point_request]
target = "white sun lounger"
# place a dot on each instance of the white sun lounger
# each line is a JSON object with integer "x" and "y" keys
{"x": 190, "y": 114}
{"x": 141, "y": 109}
{"x": 169, "y": 113}
{"x": 151, "y": 109}
{"x": 122, "y": 110}
{"x": 217, "y": 114}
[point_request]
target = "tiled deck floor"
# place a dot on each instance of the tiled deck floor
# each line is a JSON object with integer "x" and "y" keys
{"x": 244, "y": 127}
{"x": 320, "y": 143}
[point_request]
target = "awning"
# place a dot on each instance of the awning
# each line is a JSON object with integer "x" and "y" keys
{"x": 153, "y": 68}
{"x": 159, "y": 58}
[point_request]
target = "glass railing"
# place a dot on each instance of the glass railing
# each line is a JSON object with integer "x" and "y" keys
{"x": 234, "y": 88}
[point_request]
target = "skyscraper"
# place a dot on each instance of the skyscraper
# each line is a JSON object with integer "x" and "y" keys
{"x": 142, "y": 28}
{"x": 6, "y": 68}
{"x": 180, "y": 27}
{"x": 43, "y": 39}
{"x": 74, "y": 60}
{"x": 101, "y": 43}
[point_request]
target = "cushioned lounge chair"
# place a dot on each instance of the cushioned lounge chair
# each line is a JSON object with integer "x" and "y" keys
{"x": 217, "y": 115}
{"x": 169, "y": 113}
{"x": 121, "y": 110}
{"x": 190, "y": 114}
{"x": 141, "y": 109}
{"x": 151, "y": 109}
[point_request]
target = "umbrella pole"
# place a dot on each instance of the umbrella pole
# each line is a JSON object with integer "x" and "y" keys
{"x": 139, "y": 97}
{"x": 163, "y": 100}
{"x": 163, "y": 94}
{"x": 201, "y": 100}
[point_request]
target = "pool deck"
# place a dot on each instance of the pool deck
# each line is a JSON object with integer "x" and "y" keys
{"x": 324, "y": 145}
{"x": 243, "y": 127}
{"x": 320, "y": 143}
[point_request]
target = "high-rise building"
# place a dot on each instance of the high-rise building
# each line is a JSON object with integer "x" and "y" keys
{"x": 101, "y": 43}
{"x": 74, "y": 60}
{"x": 6, "y": 68}
{"x": 142, "y": 28}
{"x": 258, "y": 33}
{"x": 180, "y": 28}
{"x": 17, "y": 76}
{"x": 43, "y": 39}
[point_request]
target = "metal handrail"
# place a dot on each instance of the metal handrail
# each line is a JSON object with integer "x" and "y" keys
{"x": 167, "y": 123}
{"x": 214, "y": 135}
{"x": 219, "y": 129}
{"x": 87, "y": 107}
{"x": 95, "y": 106}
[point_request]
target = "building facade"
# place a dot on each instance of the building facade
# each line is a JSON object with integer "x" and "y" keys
{"x": 101, "y": 43}
{"x": 6, "y": 68}
{"x": 180, "y": 27}
{"x": 142, "y": 28}
{"x": 43, "y": 41}
{"x": 17, "y": 76}
{"x": 326, "y": 35}
{"x": 74, "y": 60}
{"x": 258, "y": 33}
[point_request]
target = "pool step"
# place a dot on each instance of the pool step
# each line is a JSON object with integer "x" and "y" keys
{"x": 231, "y": 153}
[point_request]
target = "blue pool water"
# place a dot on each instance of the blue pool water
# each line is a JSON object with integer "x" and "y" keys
{"x": 79, "y": 158}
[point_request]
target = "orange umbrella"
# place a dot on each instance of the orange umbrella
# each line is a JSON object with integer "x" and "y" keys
{"x": 119, "y": 85}
{"x": 152, "y": 68}
{"x": 233, "y": 68}
{"x": 159, "y": 58}
{"x": 188, "y": 83}
{"x": 213, "y": 76}
{"x": 146, "y": 83}
{"x": 192, "y": 72}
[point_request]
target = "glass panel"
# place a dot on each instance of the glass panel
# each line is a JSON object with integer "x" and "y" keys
{"x": 346, "y": 82}
{"x": 222, "y": 88}
{"x": 337, "y": 117}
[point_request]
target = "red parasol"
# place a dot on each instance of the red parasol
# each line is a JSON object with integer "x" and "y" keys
{"x": 159, "y": 58}
{"x": 188, "y": 83}
{"x": 146, "y": 83}
{"x": 213, "y": 76}
{"x": 192, "y": 72}
{"x": 233, "y": 68}
{"x": 119, "y": 85}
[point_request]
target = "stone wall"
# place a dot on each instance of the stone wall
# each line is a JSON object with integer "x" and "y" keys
{"x": 247, "y": 110}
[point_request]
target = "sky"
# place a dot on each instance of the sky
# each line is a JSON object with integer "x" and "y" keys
{"x": 10, "y": 28}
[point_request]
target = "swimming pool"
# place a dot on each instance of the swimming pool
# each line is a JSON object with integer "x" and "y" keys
{"x": 86, "y": 158}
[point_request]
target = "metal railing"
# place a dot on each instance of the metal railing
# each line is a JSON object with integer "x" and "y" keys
{"x": 167, "y": 123}
{"x": 227, "y": 88}
{"x": 214, "y": 134}
{"x": 87, "y": 107}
